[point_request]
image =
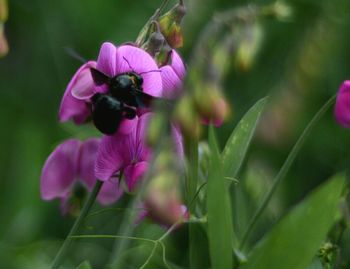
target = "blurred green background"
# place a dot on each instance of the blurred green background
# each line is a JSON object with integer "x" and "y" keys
{"x": 300, "y": 64}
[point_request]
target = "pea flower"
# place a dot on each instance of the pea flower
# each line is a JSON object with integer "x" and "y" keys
{"x": 342, "y": 105}
{"x": 129, "y": 153}
{"x": 167, "y": 214}
{"x": 113, "y": 61}
{"x": 68, "y": 174}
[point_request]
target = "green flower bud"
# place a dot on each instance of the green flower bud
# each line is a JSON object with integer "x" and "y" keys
{"x": 250, "y": 40}
{"x": 3, "y": 10}
{"x": 187, "y": 117}
{"x": 4, "y": 48}
{"x": 170, "y": 25}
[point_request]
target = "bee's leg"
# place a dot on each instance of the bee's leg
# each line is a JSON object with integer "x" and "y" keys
{"x": 129, "y": 112}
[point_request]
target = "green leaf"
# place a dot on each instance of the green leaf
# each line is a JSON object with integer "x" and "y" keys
{"x": 220, "y": 229}
{"x": 294, "y": 241}
{"x": 238, "y": 143}
{"x": 84, "y": 265}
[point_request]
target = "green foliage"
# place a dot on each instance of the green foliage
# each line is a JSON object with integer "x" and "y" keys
{"x": 296, "y": 66}
{"x": 293, "y": 242}
{"x": 240, "y": 139}
{"x": 84, "y": 265}
{"x": 220, "y": 229}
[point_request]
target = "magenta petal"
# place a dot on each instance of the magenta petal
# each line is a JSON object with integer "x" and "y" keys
{"x": 88, "y": 153}
{"x": 127, "y": 126}
{"x": 106, "y": 59}
{"x": 111, "y": 156}
{"x": 178, "y": 141}
{"x": 60, "y": 170}
{"x": 72, "y": 108}
{"x": 83, "y": 88}
{"x": 118, "y": 151}
{"x": 140, "y": 61}
{"x": 110, "y": 192}
{"x": 143, "y": 151}
{"x": 178, "y": 65}
{"x": 342, "y": 105}
{"x": 216, "y": 122}
{"x": 134, "y": 173}
{"x": 171, "y": 83}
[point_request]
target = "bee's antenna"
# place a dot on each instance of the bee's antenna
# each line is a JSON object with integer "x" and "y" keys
{"x": 71, "y": 52}
{"x": 150, "y": 71}
{"x": 126, "y": 60}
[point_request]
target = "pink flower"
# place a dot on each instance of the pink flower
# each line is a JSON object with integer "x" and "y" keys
{"x": 71, "y": 107}
{"x": 69, "y": 171}
{"x": 124, "y": 152}
{"x": 342, "y": 105}
{"x": 129, "y": 153}
{"x": 173, "y": 76}
{"x": 113, "y": 61}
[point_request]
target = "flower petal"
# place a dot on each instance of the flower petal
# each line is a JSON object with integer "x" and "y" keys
{"x": 60, "y": 170}
{"x": 110, "y": 192}
{"x": 171, "y": 82}
{"x": 87, "y": 158}
{"x": 112, "y": 154}
{"x": 143, "y": 151}
{"x": 72, "y": 108}
{"x": 83, "y": 88}
{"x": 134, "y": 173}
{"x": 178, "y": 141}
{"x": 127, "y": 126}
{"x": 342, "y": 105}
{"x": 106, "y": 59}
{"x": 120, "y": 150}
{"x": 130, "y": 58}
{"x": 178, "y": 65}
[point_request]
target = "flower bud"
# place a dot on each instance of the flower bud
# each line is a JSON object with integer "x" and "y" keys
{"x": 162, "y": 200}
{"x": 155, "y": 41}
{"x": 4, "y": 48}
{"x": 187, "y": 117}
{"x": 250, "y": 41}
{"x": 279, "y": 10}
{"x": 211, "y": 105}
{"x": 170, "y": 25}
{"x": 3, "y": 10}
{"x": 342, "y": 105}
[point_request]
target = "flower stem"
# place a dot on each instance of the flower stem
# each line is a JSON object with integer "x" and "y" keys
{"x": 285, "y": 168}
{"x": 191, "y": 150}
{"x": 88, "y": 204}
{"x": 144, "y": 31}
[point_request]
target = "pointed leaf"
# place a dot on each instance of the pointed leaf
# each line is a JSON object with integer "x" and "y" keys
{"x": 84, "y": 265}
{"x": 238, "y": 143}
{"x": 294, "y": 241}
{"x": 220, "y": 229}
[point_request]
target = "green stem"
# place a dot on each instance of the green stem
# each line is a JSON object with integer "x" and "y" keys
{"x": 64, "y": 248}
{"x": 285, "y": 168}
{"x": 191, "y": 149}
{"x": 144, "y": 31}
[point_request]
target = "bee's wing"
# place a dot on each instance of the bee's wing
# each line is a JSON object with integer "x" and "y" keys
{"x": 99, "y": 77}
{"x": 145, "y": 100}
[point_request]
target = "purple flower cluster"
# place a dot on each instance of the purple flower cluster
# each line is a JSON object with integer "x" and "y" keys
{"x": 75, "y": 165}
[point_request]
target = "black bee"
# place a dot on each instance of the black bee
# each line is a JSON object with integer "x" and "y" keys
{"x": 108, "y": 113}
{"x": 125, "y": 95}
